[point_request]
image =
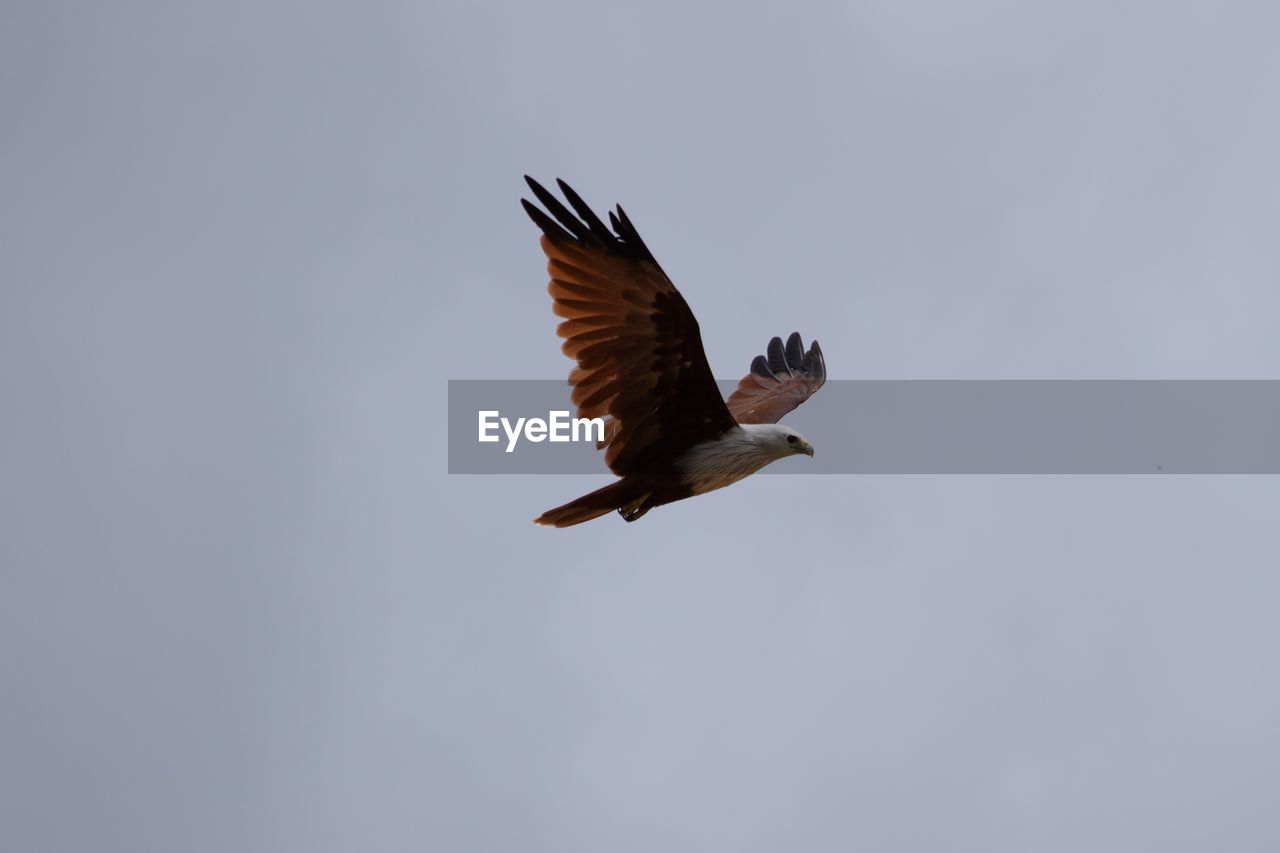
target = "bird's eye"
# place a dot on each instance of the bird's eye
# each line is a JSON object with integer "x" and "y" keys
{"x": 791, "y": 439}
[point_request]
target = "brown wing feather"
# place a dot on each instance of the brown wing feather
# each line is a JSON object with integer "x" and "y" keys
{"x": 640, "y": 363}
{"x": 778, "y": 382}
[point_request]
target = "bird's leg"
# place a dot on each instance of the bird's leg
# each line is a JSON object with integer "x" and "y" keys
{"x": 633, "y": 510}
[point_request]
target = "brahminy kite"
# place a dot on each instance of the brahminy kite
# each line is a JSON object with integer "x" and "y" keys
{"x": 640, "y": 367}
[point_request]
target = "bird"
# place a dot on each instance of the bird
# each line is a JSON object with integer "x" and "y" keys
{"x": 640, "y": 367}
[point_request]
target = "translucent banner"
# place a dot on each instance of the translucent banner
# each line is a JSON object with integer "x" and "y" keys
{"x": 922, "y": 427}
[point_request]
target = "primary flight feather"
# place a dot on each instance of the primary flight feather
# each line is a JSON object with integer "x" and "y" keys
{"x": 640, "y": 366}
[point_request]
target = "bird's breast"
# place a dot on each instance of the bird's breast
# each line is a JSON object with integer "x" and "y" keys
{"x": 720, "y": 462}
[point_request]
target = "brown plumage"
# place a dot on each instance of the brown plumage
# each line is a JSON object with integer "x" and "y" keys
{"x": 640, "y": 362}
{"x": 778, "y": 382}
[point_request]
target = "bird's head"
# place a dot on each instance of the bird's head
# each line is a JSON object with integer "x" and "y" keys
{"x": 784, "y": 441}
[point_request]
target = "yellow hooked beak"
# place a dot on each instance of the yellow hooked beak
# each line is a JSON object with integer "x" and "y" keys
{"x": 805, "y": 447}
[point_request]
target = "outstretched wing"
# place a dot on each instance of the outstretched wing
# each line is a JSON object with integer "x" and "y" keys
{"x": 778, "y": 382}
{"x": 637, "y": 345}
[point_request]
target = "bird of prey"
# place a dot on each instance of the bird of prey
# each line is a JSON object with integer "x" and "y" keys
{"x": 640, "y": 367}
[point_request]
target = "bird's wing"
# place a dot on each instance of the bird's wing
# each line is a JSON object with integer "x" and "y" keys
{"x": 640, "y": 361}
{"x": 778, "y": 382}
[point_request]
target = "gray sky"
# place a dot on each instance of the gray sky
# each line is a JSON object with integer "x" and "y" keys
{"x": 243, "y": 245}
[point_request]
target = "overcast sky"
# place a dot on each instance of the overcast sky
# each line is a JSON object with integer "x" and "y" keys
{"x": 244, "y": 608}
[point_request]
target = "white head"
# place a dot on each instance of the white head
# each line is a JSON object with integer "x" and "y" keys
{"x": 777, "y": 440}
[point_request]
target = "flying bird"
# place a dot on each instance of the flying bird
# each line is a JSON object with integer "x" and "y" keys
{"x": 669, "y": 434}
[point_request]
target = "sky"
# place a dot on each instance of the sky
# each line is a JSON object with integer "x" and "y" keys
{"x": 243, "y": 605}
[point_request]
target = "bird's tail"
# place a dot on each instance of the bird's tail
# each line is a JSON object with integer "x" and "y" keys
{"x": 593, "y": 505}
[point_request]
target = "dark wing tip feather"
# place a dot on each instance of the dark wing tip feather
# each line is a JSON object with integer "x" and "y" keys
{"x": 586, "y": 228}
{"x": 546, "y": 223}
{"x": 814, "y": 363}
{"x": 570, "y": 222}
{"x": 629, "y": 234}
{"x": 780, "y": 361}
{"x": 597, "y": 228}
{"x": 760, "y": 367}
{"x": 777, "y": 357}
{"x": 795, "y": 351}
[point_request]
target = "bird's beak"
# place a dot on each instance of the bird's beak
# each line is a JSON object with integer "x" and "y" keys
{"x": 807, "y": 449}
